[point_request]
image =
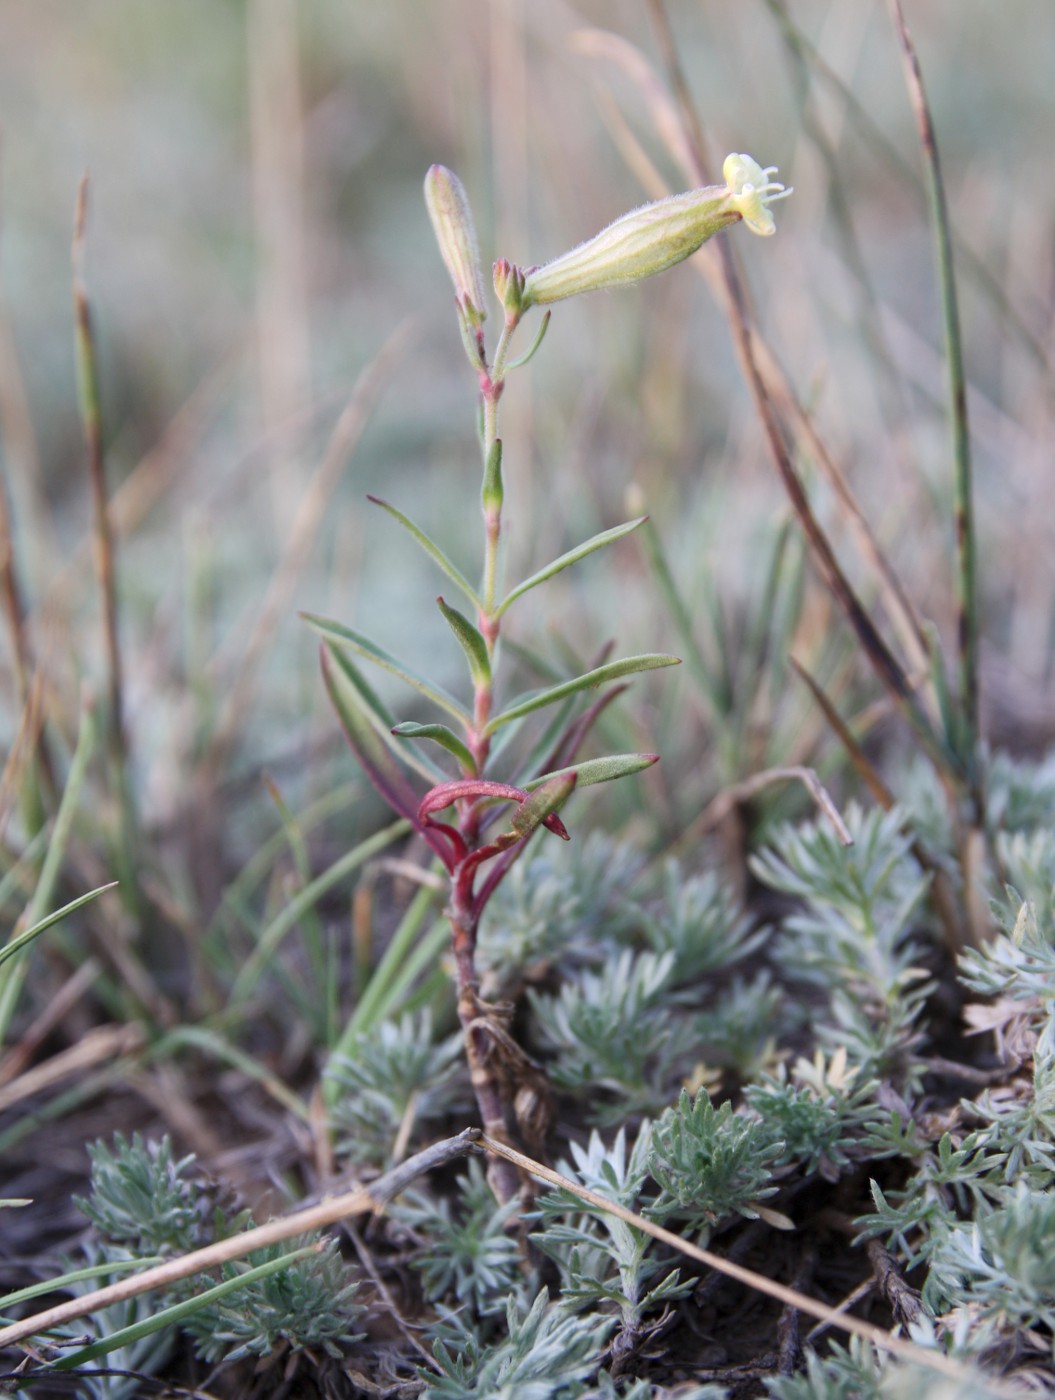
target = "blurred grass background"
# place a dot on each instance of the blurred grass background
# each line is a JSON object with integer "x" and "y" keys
{"x": 257, "y": 233}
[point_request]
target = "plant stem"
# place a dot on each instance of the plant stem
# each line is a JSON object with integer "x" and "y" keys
{"x": 91, "y": 416}
{"x": 492, "y": 382}
{"x": 503, "y": 1177}
{"x": 464, "y": 910}
{"x": 967, "y": 609}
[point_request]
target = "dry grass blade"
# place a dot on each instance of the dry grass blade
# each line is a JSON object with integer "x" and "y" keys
{"x": 97, "y": 1046}
{"x": 860, "y": 760}
{"x": 358, "y": 1201}
{"x": 54, "y": 1013}
{"x": 885, "y": 1341}
{"x": 28, "y": 740}
{"x": 717, "y": 810}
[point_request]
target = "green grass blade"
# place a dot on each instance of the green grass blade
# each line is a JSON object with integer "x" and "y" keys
{"x": 306, "y": 899}
{"x": 649, "y": 661}
{"x": 170, "y": 1317}
{"x": 17, "y": 944}
{"x": 13, "y": 974}
{"x": 967, "y": 588}
{"x": 64, "y": 1281}
{"x": 201, "y": 1038}
{"x": 403, "y": 960}
{"x": 572, "y": 557}
{"x": 713, "y": 690}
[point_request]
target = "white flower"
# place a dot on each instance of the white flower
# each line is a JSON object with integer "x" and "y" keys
{"x": 751, "y": 191}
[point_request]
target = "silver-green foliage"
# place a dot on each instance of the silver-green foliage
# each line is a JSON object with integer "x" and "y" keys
{"x": 699, "y": 922}
{"x": 309, "y": 1304}
{"x": 858, "y": 1372}
{"x": 552, "y": 907}
{"x": 613, "y": 1031}
{"x": 604, "y": 1260}
{"x": 854, "y": 935}
{"x": 396, "y": 1068}
{"x": 1001, "y": 1267}
{"x": 467, "y": 1255}
{"x": 710, "y": 1163}
{"x": 144, "y": 1199}
{"x": 548, "y": 1353}
{"x": 823, "y": 1120}
{"x": 624, "y": 1035}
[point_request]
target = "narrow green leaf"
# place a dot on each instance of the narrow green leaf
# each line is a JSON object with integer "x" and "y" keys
{"x": 343, "y": 636}
{"x": 305, "y": 899}
{"x": 371, "y": 746}
{"x": 168, "y": 1317}
{"x": 951, "y": 723}
{"x": 17, "y": 944}
{"x": 439, "y": 734}
{"x": 530, "y": 352}
{"x": 14, "y": 973}
{"x": 550, "y": 797}
{"x": 377, "y": 715}
{"x": 600, "y": 770}
{"x": 572, "y": 557}
{"x": 650, "y": 661}
{"x": 471, "y": 642}
{"x": 63, "y": 1281}
{"x": 432, "y": 550}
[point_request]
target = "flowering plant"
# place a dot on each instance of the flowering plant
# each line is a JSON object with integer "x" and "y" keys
{"x": 475, "y": 848}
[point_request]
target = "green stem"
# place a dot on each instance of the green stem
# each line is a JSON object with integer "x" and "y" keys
{"x": 14, "y": 972}
{"x": 967, "y": 622}
{"x": 493, "y": 384}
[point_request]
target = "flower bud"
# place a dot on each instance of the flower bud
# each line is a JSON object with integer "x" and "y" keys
{"x": 509, "y": 287}
{"x": 452, "y": 223}
{"x": 640, "y": 244}
{"x": 492, "y": 491}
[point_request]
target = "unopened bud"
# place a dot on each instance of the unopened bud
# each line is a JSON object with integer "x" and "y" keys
{"x": 509, "y": 287}
{"x": 452, "y": 223}
{"x": 640, "y": 244}
{"x": 492, "y": 493}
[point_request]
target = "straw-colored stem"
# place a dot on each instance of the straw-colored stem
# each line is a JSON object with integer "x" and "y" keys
{"x": 355, "y": 1202}
{"x": 886, "y": 1341}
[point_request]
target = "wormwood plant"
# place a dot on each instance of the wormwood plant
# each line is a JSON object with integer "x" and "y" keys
{"x": 493, "y": 765}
